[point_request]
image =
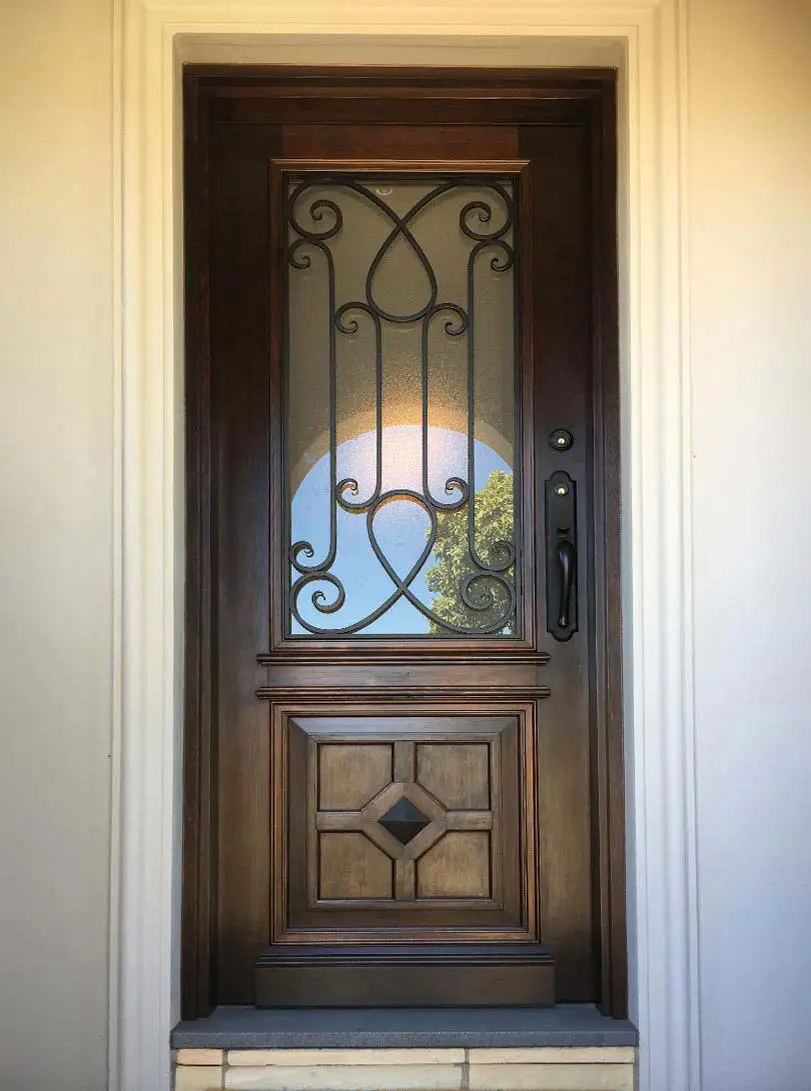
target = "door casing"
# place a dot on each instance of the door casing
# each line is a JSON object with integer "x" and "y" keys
{"x": 647, "y": 42}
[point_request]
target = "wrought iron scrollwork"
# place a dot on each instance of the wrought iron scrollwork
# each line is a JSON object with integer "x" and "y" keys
{"x": 488, "y": 590}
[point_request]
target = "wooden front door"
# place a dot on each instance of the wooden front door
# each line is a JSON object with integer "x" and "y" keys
{"x": 401, "y": 641}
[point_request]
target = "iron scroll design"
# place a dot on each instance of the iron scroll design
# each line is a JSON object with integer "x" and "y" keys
{"x": 488, "y": 590}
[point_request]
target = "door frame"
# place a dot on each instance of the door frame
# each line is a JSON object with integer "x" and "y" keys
{"x": 583, "y": 97}
{"x": 151, "y": 40}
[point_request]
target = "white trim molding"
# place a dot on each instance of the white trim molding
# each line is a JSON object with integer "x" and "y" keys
{"x": 646, "y": 40}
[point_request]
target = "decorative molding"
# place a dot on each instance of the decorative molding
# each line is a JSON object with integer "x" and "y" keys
{"x": 689, "y": 785}
{"x": 387, "y": 694}
{"x": 411, "y": 954}
{"x": 355, "y": 658}
{"x": 117, "y": 704}
{"x": 656, "y": 409}
{"x": 602, "y": 17}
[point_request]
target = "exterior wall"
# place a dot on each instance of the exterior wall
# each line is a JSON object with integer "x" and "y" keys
{"x": 55, "y": 541}
{"x": 608, "y": 1068}
{"x": 750, "y": 180}
{"x": 749, "y": 146}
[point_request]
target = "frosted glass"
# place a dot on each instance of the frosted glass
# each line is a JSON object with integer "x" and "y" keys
{"x": 400, "y": 436}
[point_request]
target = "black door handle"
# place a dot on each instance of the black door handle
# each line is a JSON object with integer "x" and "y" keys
{"x": 567, "y": 559}
{"x": 561, "y": 556}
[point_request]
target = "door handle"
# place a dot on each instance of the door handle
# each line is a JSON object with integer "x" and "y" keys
{"x": 561, "y": 556}
{"x": 566, "y": 561}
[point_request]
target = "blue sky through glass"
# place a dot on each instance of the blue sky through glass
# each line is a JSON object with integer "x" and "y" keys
{"x": 400, "y": 526}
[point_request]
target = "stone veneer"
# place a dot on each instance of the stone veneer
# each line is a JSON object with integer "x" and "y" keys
{"x": 542, "y": 1068}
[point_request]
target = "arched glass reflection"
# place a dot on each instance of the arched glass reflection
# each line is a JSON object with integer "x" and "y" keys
{"x": 402, "y": 530}
{"x": 400, "y": 434}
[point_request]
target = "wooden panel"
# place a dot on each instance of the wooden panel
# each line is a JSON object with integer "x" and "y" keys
{"x": 439, "y": 843}
{"x": 561, "y": 307}
{"x": 348, "y": 776}
{"x": 333, "y": 668}
{"x": 399, "y": 141}
{"x": 469, "y": 975}
{"x": 459, "y": 776}
{"x": 378, "y": 855}
{"x": 238, "y": 867}
{"x": 387, "y": 109}
{"x": 458, "y": 866}
{"x": 199, "y": 835}
{"x": 350, "y": 866}
{"x": 240, "y": 530}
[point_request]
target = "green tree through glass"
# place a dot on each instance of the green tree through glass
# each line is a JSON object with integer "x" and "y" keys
{"x": 494, "y": 523}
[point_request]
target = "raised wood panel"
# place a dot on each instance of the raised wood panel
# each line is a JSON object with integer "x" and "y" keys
{"x": 348, "y": 776}
{"x": 458, "y": 775}
{"x": 403, "y": 823}
{"x": 350, "y": 866}
{"x": 458, "y": 866}
{"x": 373, "y": 813}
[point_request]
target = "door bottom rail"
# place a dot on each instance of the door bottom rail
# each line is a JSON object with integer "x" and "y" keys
{"x": 400, "y": 975}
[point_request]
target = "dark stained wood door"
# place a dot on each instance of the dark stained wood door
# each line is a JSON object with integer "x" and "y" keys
{"x": 399, "y": 617}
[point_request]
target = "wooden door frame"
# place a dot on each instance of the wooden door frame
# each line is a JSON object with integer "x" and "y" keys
{"x": 582, "y": 97}
{"x": 647, "y": 41}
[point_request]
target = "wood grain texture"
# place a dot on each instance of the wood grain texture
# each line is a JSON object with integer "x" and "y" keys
{"x": 459, "y": 775}
{"x": 350, "y": 866}
{"x": 349, "y": 776}
{"x": 474, "y": 975}
{"x": 318, "y": 142}
{"x": 199, "y": 885}
{"x": 558, "y": 764}
{"x": 488, "y": 865}
{"x": 240, "y": 472}
{"x": 606, "y": 677}
{"x": 562, "y": 304}
{"x": 458, "y": 866}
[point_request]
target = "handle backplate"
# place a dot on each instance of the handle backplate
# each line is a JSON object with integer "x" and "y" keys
{"x": 561, "y": 556}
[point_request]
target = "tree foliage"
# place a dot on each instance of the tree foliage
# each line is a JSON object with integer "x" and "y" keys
{"x": 494, "y": 524}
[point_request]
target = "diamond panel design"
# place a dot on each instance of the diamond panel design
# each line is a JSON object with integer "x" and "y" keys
{"x": 404, "y": 821}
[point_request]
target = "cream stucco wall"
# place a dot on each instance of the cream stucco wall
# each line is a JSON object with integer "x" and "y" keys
{"x": 749, "y": 178}
{"x": 750, "y": 202}
{"x": 55, "y": 541}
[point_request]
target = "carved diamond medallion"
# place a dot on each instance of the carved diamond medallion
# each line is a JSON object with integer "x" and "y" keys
{"x": 404, "y": 821}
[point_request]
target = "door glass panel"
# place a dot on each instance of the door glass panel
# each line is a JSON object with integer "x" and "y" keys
{"x": 401, "y": 448}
